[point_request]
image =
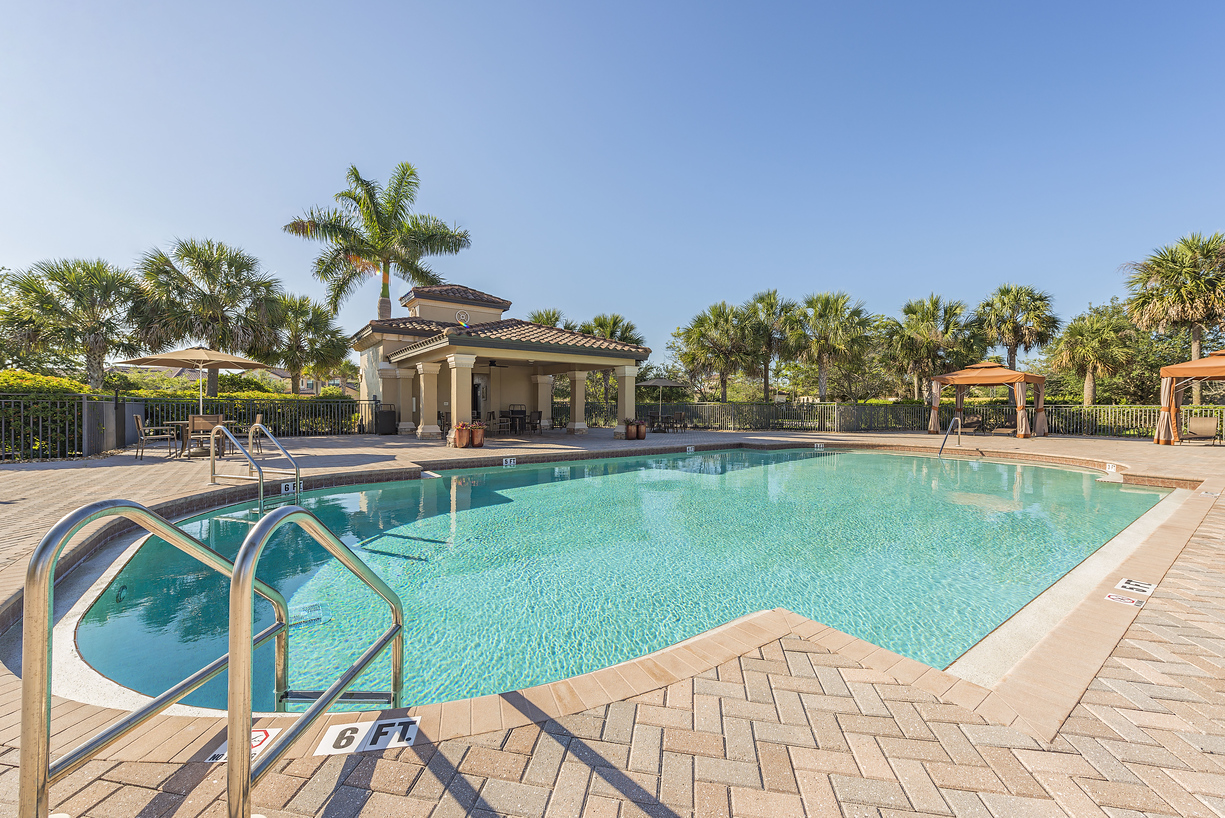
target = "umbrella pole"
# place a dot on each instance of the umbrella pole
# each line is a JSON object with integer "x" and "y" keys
{"x": 200, "y": 384}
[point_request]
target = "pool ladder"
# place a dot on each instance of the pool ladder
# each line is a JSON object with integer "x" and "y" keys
{"x": 36, "y": 770}
{"x": 255, "y": 471}
{"x": 956, "y": 420}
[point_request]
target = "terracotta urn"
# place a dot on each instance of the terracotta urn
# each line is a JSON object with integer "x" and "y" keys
{"x": 478, "y": 438}
{"x": 463, "y": 437}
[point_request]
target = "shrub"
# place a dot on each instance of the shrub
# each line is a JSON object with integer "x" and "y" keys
{"x": 231, "y": 382}
{"x": 17, "y": 381}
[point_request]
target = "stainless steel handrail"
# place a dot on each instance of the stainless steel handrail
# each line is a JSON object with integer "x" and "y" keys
{"x": 241, "y": 773}
{"x": 297, "y": 480}
{"x": 252, "y": 466}
{"x": 37, "y": 773}
{"x": 949, "y": 431}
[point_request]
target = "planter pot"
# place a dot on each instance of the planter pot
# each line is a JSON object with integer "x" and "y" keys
{"x": 463, "y": 437}
{"x": 640, "y": 431}
{"x": 478, "y": 438}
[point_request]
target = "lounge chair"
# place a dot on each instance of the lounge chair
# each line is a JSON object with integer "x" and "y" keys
{"x": 1201, "y": 429}
{"x": 972, "y": 424}
{"x": 1009, "y": 428}
{"x": 146, "y": 433}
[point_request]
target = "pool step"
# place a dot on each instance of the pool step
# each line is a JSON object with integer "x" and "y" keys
{"x": 348, "y": 696}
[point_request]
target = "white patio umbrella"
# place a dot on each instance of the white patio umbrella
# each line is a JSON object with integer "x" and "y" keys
{"x": 200, "y": 359}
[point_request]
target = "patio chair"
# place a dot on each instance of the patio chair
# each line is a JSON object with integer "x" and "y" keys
{"x": 444, "y": 422}
{"x": 972, "y": 424}
{"x": 1008, "y": 428}
{"x": 1201, "y": 429}
{"x": 200, "y": 429}
{"x": 678, "y": 422}
{"x": 533, "y": 422}
{"x": 146, "y": 433}
{"x": 258, "y": 444}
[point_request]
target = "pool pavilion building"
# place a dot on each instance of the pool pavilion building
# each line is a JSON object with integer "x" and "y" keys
{"x": 455, "y": 355}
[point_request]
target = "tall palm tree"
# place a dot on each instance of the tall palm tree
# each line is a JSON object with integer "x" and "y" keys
{"x": 1017, "y": 316}
{"x": 1093, "y": 346}
{"x": 614, "y": 327}
{"x": 207, "y": 291}
{"x": 374, "y": 231}
{"x": 933, "y": 336}
{"x": 834, "y": 329}
{"x": 1180, "y": 285}
{"x": 310, "y": 339}
{"x": 714, "y": 342}
{"x": 772, "y": 331}
{"x": 81, "y": 306}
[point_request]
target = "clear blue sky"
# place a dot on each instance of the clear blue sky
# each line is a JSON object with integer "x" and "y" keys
{"x": 642, "y": 158}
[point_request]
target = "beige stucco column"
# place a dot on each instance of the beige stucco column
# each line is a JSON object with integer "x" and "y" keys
{"x": 461, "y": 391}
{"x": 627, "y": 406}
{"x": 578, "y": 403}
{"x": 404, "y": 402}
{"x": 544, "y": 399}
{"x": 428, "y": 429}
{"x": 389, "y": 384}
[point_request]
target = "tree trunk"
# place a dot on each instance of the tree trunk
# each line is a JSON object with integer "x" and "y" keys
{"x": 385, "y": 293}
{"x": 295, "y": 383}
{"x": 211, "y": 390}
{"x": 765, "y": 381}
{"x": 822, "y": 377}
{"x": 1012, "y": 364}
{"x": 1197, "y": 388}
{"x": 1090, "y": 388}
{"x": 723, "y": 386}
{"x": 93, "y": 370}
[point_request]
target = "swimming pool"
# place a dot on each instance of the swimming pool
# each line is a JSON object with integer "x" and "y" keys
{"x": 515, "y": 577}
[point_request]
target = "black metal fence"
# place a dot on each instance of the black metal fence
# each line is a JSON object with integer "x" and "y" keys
{"x": 284, "y": 417}
{"x": 41, "y": 427}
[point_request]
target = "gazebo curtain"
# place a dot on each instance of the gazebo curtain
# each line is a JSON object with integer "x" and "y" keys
{"x": 1039, "y": 410}
{"x": 933, "y": 425}
{"x": 1167, "y": 421}
{"x": 1021, "y": 390}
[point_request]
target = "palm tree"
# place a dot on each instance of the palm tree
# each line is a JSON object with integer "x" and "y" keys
{"x": 714, "y": 342}
{"x": 374, "y": 231}
{"x": 552, "y": 317}
{"x": 933, "y": 336}
{"x": 1016, "y": 317}
{"x": 75, "y": 305}
{"x": 834, "y": 330}
{"x": 310, "y": 340}
{"x": 1093, "y": 346}
{"x": 1182, "y": 285}
{"x": 207, "y": 291}
{"x": 771, "y": 331}
{"x": 614, "y": 327}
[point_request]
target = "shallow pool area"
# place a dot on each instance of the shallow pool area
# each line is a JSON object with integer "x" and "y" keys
{"x": 514, "y": 577}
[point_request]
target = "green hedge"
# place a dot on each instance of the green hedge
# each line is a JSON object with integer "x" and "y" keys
{"x": 20, "y": 382}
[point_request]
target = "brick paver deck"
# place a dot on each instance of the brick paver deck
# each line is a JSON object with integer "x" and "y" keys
{"x": 771, "y": 716}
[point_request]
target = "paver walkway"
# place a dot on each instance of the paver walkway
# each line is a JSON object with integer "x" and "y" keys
{"x": 806, "y": 721}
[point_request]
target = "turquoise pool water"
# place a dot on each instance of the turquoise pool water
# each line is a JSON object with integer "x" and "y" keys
{"x": 514, "y": 577}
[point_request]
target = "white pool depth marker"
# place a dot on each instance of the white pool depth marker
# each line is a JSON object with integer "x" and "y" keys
{"x": 361, "y": 737}
{"x": 1135, "y": 586}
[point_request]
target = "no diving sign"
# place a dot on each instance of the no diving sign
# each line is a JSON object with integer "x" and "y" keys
{"x": 260, "y": 739}
{"x": 367, "y": 735}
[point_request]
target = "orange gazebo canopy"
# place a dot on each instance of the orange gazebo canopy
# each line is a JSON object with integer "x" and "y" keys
{"x": 1210, "y": 368}
{"x": 989, "y": 373}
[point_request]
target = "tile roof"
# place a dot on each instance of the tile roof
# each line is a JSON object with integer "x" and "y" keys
{"x": 524, "y": 332}
{"x": 411, "y": 326}
{"x": 454, "y": 292}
